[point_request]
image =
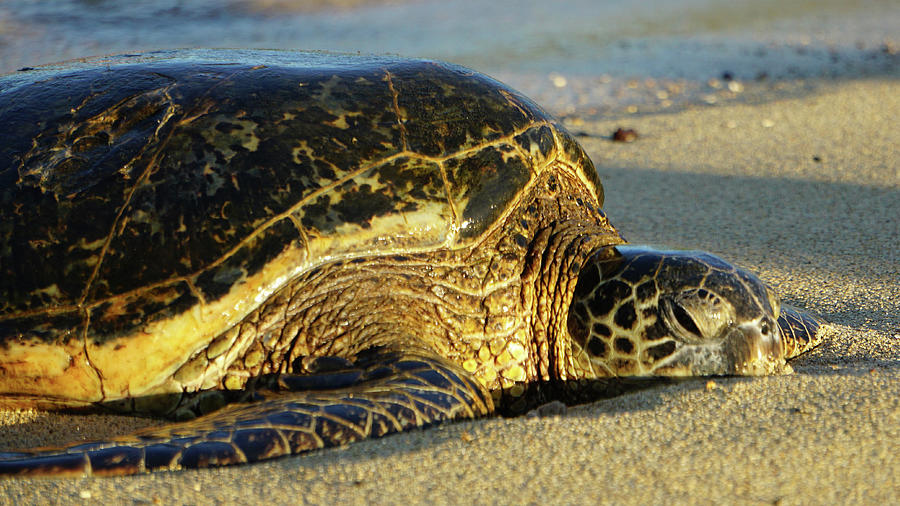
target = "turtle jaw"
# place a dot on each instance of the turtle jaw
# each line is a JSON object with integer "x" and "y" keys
{"x": 744, "y": 350}
{"x": 757, "y": 353}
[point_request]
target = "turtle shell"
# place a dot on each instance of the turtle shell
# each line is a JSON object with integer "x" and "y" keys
{"x": 149, "y": 202}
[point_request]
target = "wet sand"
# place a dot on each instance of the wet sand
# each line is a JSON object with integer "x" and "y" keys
{"x": 806, "y": 191}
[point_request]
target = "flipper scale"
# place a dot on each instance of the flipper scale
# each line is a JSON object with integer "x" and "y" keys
{"x": 417, "y": 393}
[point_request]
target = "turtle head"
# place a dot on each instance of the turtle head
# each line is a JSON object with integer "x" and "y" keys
{"x": 644, "y": 312}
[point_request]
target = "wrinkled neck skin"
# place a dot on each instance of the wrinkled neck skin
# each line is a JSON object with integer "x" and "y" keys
{"x": 551, "y": 276}
{"x": 554, "y": 265}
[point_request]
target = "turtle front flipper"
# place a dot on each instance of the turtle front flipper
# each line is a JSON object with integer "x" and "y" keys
{"x": 388, "y": 392}
{"x": 801, "y": 332}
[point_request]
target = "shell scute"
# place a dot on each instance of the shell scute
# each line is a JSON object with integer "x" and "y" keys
{"x": 129, "y": 314}
{"x": 45, "y": 353}
{"x": 579, "y": 161}
{"x": 447, "y": 109}
{"x": 76, "y": 164}
{"x": 484, "y": 184}
{"x": 400, "y": 204}
{"x": 539, "y": 143}
{"x": 247, "y": 149}
{"x": 45, "y": 328}
{"x": 249, "y": 259}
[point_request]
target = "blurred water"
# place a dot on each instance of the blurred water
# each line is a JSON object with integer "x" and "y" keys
{"x": 572, "y": 54}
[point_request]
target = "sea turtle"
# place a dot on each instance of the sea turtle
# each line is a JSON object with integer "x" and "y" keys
{"x": 285, "y": 251}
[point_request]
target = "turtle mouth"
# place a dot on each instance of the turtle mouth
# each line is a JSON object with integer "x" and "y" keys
{"x": 759, "y": 350}
{"x": 751, "y": 349}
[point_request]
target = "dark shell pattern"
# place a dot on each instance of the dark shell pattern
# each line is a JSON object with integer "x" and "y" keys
{"x": 177, "y": 183}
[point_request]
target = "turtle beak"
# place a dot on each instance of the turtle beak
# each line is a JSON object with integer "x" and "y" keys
{"x": 751, "y": 349}
{"x": 758, "y": 349}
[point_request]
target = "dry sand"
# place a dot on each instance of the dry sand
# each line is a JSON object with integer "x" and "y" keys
{"x": 737, "y": 180}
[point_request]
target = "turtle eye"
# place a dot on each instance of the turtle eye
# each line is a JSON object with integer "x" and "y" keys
{"x": 697, "y": 315}
{"x": 684, "y": 319}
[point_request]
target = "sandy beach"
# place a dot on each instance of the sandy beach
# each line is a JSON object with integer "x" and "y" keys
{"x": 803, "y": 190}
